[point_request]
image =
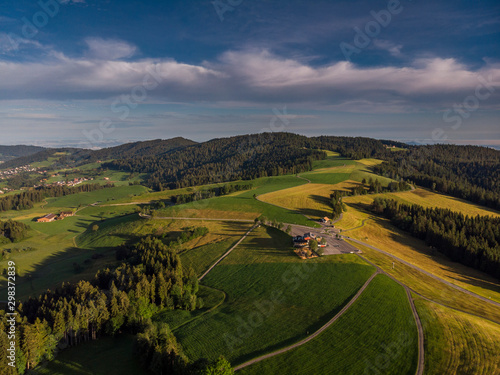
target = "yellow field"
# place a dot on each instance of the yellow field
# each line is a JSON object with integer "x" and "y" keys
{"x": 427, "y": 198}
{"x": 430, "y": 287}
{"x": 310, "y": 199}
{"x": 370, "y": 162}
{"x": 457, "y": 343}
{"x": 380, "y": 233}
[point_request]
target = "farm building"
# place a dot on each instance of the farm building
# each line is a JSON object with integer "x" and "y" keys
{"x": 47, "y": 218}
{"x": 64, "y": 214}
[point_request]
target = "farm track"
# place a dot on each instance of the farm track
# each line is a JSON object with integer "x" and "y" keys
{"x": 425, "y": 272}
{"x": 227, "y": 253}
{"x": 315, "y": 334}
{"x": 421, "y": 339}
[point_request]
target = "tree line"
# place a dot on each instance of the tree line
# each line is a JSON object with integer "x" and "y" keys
{"x": 150, "y": 278}
{"x": 26, "y": 199}
{"x": 12, "y": 231}
{"x": 226, "y": 159}
{"x": 472, "y": 241}
{"x": 467, "y": 172}
{"x": 209, "y": 193}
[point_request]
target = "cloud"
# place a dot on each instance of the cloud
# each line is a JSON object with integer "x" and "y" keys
{"x": 393, "y": 49}
{"x": 11, "y": 42}
{"x": 109, "y": 49}
{"x": 258, "y": 77}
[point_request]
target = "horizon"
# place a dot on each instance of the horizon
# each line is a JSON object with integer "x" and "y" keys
{"x": 83, "y": 72}
{"x": 77, "y": 144}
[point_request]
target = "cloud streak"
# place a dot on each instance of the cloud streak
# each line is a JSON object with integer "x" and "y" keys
{"x": 252, "y": 76}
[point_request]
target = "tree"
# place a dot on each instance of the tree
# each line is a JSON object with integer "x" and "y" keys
{"x": 218, "y": 367}
{"x": 313, "y": 245}
{"x": 95, "y": 228}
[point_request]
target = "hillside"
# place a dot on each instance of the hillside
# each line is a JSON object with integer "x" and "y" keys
{"x": 12, "y": 152}
{"x": 71, "y": 157}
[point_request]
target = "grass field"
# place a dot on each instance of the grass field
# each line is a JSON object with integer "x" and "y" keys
{"x": 377, "y": 335}
{"x": 243, "y": 205}
{"x": 428, "y": 199}
{"x": 273, "y": 298}
{"x": 457, "y": 343}
{"x": 107, "y": 195}
{"x": 430, "y": 287}
{"x": 105, "y": 356}
{"x": 380, "y": 233}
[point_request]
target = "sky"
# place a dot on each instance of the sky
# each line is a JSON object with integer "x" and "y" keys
{"x": 88, "y": 73}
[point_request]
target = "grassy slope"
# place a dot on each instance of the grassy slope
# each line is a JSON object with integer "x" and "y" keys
{"x": 251, "y": 275}
{"x": 242, "y": 204}
{"x": 457, "y": 343}
{"x": 102, "y": 357}
{"x": 380, "y": 233}
{"x": 377, "y": 335}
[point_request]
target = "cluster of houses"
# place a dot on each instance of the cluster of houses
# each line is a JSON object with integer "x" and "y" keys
{"x": 301, "y": 243}
{"x": 7, "y": 173}
{"x": 51, "y": 217}
{"x": 74, "y": 182}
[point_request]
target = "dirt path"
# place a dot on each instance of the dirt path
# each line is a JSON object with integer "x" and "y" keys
{"x": 227, "y": 253}
{"x": 315, "y": 334}
{"x": 420, "y": 330}
{"x": 426, "y": 272}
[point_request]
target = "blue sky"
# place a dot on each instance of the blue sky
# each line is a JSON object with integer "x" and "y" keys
{"x": 94, "y": 73}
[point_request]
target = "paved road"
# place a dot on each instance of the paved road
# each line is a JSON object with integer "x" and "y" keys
{"x": 226, "y": 253}
{"x": 315, "y": 334}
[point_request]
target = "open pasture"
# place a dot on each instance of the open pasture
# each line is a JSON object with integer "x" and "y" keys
{"x": 458, "y": 343}
{"x": 377, "y": 335}
{"x": 273, "y": 298}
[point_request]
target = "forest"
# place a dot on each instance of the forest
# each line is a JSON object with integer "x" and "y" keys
{"x": 26, "y": 199}
{"x": 467, "y": 172}
{"x": 150, "y": 278}
{"x": 224, "y": 159}
{"x": 472, "y": 241}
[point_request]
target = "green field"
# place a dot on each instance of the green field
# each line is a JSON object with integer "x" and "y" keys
{"x": 458, "y": 343}
{"x": 377, "y": 335}
{"x": 273, "y": 298}
{"x": 105, "y": 196}
{"x": 105, "y": 356}
{"x": 243, "y": 204}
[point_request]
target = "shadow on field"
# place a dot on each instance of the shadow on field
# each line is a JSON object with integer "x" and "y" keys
{"x": 444, "y": 263}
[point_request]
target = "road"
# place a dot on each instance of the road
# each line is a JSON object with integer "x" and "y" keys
{"x": 315, "y": 334}
{"x": 426, "y": 272}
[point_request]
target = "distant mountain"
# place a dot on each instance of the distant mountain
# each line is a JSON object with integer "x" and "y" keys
{"x": 71, "y": 157}
{"x": 12, "y": 152}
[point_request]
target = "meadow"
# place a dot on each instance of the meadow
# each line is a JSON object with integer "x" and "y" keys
{"x": 458, "y": 343}
{"x": 377, "y": 335}
{"x": 108, "y": 355}
{"x": 273, "y": 298}
{"x": 361, "y": 224}
{"x": 243, "y": 205}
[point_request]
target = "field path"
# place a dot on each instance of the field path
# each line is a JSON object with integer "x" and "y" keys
{"x": 425, "y": 272}
{"x": 420, "y": 330}
{"x": 315, "y": 334}
{"x": 227, "y": 253}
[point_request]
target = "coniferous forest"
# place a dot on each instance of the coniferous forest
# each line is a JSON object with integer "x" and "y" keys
{"x": 26, "y": 199}
{"x": 467, "y": 172}
{"x": 472, "y": 241}
{"x": 150, "y": 278}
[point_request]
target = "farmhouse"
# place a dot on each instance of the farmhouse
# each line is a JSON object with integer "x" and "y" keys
{"x": 47, "y": 218}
